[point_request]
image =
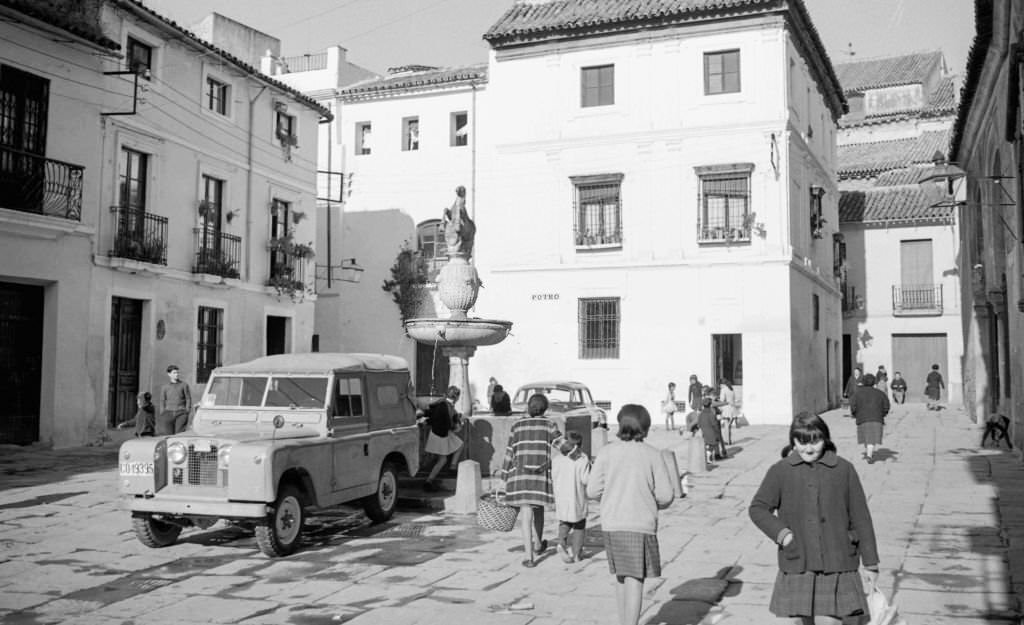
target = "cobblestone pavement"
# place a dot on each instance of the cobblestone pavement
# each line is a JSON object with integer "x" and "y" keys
{"x": 949, "y": 516}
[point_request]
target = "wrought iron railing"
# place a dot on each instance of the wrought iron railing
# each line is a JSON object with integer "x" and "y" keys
{"x": 217, "y": 252}
{"x": 34, "y": 184}
{"x": 289, "y": 269}
{"x": 922, "y": 299}
{"x": 305, "y": 62}
{"x": 598, "y": 236}
{"x": 717, "y": 229}
{"x": 140, "y": 236}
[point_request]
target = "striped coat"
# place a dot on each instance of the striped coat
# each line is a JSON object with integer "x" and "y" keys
{"x": 527, "y": 464}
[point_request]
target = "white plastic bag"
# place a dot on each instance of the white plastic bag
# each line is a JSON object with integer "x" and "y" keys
{"x": 882, "y": 613}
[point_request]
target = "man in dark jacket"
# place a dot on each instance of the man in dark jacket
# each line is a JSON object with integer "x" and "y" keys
{"x": 869, "y": 407}
{"x": 501, "y": 403}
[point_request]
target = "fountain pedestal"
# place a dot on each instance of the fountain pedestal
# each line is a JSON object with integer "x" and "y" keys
{"x": 458, "y": 373}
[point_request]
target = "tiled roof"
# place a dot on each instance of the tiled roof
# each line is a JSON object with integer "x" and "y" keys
{"x": 416, "y": 80}
{"x": 942, "y": 100}
{"x": 55, "y": 16}
{"x": 890, "y": 71}
{"x": 905, "y": 175}
{"x": 858, "y": 160}
{"x": 903, "y": 203}
{"x": 532, "y": 21}
{"x": 141, "y": 9}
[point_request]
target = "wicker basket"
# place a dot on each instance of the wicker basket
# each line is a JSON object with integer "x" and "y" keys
{"x": 494, "y": 514}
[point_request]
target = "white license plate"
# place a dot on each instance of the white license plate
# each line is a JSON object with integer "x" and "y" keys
{"x": 136, "y": 468}
{"x": 201, "y": 445}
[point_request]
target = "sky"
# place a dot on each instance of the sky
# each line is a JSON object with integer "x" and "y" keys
{"x": 379, "y": 34}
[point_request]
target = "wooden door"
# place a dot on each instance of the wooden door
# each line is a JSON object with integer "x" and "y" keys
{"x": 125, "y": 345}
{"x": 21, "y": 349}
{"x": 913, "y": 356}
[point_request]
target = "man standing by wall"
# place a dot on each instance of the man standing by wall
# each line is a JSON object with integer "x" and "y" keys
{"x": 175, "y": 404}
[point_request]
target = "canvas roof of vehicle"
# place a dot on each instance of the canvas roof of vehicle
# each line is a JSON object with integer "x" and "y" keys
{"x": 317, "y": 364}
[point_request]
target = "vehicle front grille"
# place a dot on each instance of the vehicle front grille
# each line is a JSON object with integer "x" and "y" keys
{"x": 201, "y": 469}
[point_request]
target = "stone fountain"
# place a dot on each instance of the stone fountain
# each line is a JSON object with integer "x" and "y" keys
{"x": 458, "y": 285}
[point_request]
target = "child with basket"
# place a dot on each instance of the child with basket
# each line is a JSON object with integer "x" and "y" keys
{"x": 569, "y": 472}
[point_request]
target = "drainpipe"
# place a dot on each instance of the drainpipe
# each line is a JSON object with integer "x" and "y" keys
{"x": 247, "y": 248}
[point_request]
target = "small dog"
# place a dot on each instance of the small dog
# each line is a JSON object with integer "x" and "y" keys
{"x": 997, "y": 428}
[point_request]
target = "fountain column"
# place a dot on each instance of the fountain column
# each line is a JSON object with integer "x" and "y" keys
{"x": 458, "y": 368}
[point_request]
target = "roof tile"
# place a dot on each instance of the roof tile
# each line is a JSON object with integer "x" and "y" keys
{"x": 55, "y": 15}
{"x": 858, "y": 160}
{"x": 416, "y": 80}
{"x": 903, "y": 203}
{"x": 890, "y": 71}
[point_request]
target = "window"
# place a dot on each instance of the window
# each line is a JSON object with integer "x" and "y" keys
{"x": 598, "y": 210}
{"x": 133, "y": 179}
{"x": 24, "y": 100}
{"x": 597, "y": 85}
{"x": 279, "y": 216}
{"x": 284, "y": 129}
{"x": 599, "y": 328}
{"x": 721, "y": 72}
{"x": 410, "y": 134}
{"x": 211, "y": 339}
{"x": 817, "y": 218}
{"x": 212, "y": 203}
{"x": 432, "y": 247}
{"x": 724, "y": 203}
{"x": 459, "y": 128}
{"x": 139, "y": 57}
{"x": 364, "y": 136}
{"x": 348, "y": 400}
{"x": 816, "y": 311}
{"x": 216, "y": 96}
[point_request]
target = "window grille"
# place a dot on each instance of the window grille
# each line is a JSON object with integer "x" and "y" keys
{"x": 724, "y": 208}
{"x": 597, "y": 85}
{"x": 211, "y": 337}
{"x": 599, "y": 328}
{"x": 598, "y": 211}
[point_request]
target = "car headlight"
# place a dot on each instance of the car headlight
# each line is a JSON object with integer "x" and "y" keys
{"x": 224, "y": 455}
{"x": 176, "y": 452}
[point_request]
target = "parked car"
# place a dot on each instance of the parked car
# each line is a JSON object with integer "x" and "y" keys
{"x": 272, "y": 438}
{"x": 564, "y": 397}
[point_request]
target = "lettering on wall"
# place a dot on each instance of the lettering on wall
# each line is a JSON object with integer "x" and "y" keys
{"x": 541, "y": 297}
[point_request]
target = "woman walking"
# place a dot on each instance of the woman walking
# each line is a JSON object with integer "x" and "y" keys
{"x": 869, "y": 407}
{"x": 933, "y": 388}
{"x": 633, "y": 483}
{"x": 527, "y": 473}
{"x": 818, "y": 582}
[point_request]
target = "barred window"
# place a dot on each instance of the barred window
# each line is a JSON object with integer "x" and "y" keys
{"x": 598, "y": 211}
{"x": 599, "y": 328}
{"x": 211, "y": 342}
{"x": 724, "y": 204}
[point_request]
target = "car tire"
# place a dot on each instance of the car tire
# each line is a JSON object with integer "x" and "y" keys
{"x": 280, "y": 534}
{"x": 381, "y": 505}
{"x": 154, "y": 532}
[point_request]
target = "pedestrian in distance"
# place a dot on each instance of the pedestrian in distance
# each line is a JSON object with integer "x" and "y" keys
{"x": 869, "y": 407}
{"x": 818, "y": 582}
{"x": 527, "y": 473}
{"x": 695, "y": 393}
{"x": 729, "y": 409}
{"x": 882, "y": 379}
{"x": 668, "y": 407}
{"x": 710, "y": 431}
{"x": 899, "y": 388}
{"x": 632, "y": 481}
{"x": 491, "y": 383}
{"x": 852, "y": 383}
{"x": 501, "y": 403}
{"x": 442, "y": 443}
{"x": 175, "y": 404}
{"x": 933, "y": 386}
{"x": 570, "y": 469}
{"x": 144, "y": 420}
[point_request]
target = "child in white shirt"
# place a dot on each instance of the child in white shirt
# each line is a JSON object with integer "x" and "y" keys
{"x": 569, "y": 472}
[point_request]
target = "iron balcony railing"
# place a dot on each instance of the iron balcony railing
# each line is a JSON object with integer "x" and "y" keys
{"x": 922, "y": 299}
{"x": 716, "y": 229}
{"x": 140, "y": 236}
{"x": 33, "y": 184}
{"x": 598, "y": 236}
{"x": 290, "y": 270}
{"x": 852, "y": 301}
{"x": 217, "y": 252}
{"x": 305, "y": 62}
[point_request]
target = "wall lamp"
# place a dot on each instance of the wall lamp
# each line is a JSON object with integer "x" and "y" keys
{"x": 946, "y": 172}
{"x": 348, "y": 271}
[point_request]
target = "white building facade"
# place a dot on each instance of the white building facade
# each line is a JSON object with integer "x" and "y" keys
{"x": 657, "y": 199}
{"x": 185, "y": 182}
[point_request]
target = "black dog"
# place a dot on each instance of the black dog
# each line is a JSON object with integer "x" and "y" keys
{"x": 997, "y": 429}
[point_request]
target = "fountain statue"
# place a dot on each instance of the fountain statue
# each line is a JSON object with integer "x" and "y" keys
{"x": 458, "y": 285}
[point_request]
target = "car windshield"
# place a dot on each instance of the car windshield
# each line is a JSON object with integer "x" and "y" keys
{"x": 235, "y": 391}
{"x": 299, "y": 392}
{"x": 556, "y": 396}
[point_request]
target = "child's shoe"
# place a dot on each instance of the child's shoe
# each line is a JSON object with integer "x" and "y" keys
{"x": 566, "y": 556}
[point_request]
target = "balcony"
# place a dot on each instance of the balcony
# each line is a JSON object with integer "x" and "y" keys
{"x": 140, "y": 236}
{"x": 598, "y": 238}
{"x": 719, "y": 230}
{"x": 916, "y": 300}
{"x": 853, "y": 303}
{"x": 217, "y": 253}
{"x": 33, "y": 184}
{"x": 288, "y": 276}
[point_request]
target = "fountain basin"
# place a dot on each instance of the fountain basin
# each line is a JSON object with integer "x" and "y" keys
{"x": 462, "y": 332}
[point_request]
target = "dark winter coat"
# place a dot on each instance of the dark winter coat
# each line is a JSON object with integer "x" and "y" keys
{"x": 869, "y": 404}
{"x": 823, "y": 504}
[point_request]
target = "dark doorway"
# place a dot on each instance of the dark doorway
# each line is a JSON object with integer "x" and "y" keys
{"x": 125, "y": 344}
{"x": 21, "y": 354}
{"x": 431, "y": 370}
{"x": 728, "y": 355}
{"x": 277, "y": 335}
{"x": 847, "y": 359}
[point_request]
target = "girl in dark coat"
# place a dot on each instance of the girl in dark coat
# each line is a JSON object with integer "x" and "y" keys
{"x": 818, "y": 580}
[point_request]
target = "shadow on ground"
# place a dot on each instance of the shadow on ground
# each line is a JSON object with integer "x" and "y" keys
{"x": 693, "y": 599}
